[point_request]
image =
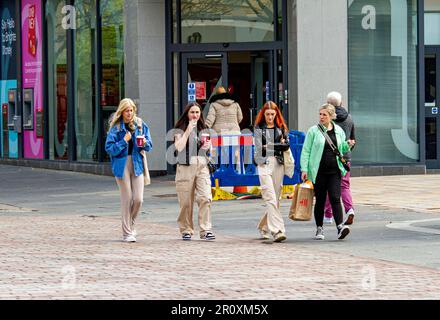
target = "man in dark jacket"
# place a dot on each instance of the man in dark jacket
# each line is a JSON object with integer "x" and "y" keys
{"x": 344, "y": 120}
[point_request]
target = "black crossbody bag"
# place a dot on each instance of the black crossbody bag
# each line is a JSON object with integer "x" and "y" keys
{"x": 334, "y": 148}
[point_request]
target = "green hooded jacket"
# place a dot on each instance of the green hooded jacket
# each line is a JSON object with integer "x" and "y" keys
{"x": 313, "y": 149}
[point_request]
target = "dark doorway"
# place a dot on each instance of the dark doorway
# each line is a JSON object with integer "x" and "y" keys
{"x": 432, "y": 107}
{"x": 246, "y": 74}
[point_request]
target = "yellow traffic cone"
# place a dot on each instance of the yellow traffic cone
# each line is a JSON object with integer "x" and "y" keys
{"x": 220, "y": 194}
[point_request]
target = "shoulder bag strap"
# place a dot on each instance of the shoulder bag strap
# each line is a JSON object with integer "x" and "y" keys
{"x": 330, "y": 142}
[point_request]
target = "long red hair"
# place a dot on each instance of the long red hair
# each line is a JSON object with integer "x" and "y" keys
{"x": 279, "y": 119}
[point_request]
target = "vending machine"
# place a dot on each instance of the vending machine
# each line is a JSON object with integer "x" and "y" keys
{"x": 10, "y": 27}
{"x": 13, "y": 123}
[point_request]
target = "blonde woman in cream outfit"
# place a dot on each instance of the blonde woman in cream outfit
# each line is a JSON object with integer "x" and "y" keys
{"x": 127, "y": 165}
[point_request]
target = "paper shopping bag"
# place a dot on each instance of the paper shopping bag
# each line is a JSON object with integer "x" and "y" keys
{"x": 301, "y": 207}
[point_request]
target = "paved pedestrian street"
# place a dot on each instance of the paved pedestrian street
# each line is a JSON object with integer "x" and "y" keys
{"x": 80, "y": 258}
{"x": 67, "y": 245}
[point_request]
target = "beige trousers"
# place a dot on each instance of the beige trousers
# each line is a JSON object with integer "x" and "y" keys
{"x": 193, "y": 181}
{"x": 131, "y": 189}
{"x": 271, "y": 181}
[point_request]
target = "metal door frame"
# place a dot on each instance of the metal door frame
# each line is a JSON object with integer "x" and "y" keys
{"x": 270, "y": 55}
{"x": 184, "y": 72}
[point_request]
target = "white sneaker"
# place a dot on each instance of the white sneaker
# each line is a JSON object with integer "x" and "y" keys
{"x": 264, "y": 235}
{"x": 343, "y": 231}
{"x": 279, "y": 237}
{"x": 328, "y": 220}
{"x": 134, "y": 233}
{"x": 319, "y": 233}
{"x": 350, "y": 217}
{"x": 129, "y": 238}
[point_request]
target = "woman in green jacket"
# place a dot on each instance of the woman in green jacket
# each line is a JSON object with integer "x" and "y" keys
{"x": 320, "y": 165}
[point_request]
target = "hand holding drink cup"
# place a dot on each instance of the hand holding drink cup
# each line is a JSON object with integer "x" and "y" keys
{"x": 206, "y": 141}
{"x": 140, "y": 141}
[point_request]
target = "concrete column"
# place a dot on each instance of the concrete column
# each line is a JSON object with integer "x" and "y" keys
{"x": 151, "y": 75}
{"x": 131, "y": 71}
{"x": 318, "y": 61}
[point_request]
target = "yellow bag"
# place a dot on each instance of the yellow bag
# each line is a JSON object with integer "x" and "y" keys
{"x": 302, "y": 202}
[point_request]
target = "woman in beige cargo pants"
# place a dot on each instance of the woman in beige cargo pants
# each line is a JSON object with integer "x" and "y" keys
{"x": 192, "y": 176}
{"x": 271, "y": 140}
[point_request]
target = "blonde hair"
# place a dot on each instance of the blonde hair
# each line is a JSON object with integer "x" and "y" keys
{"x": 330, "y": 109}
{"x": 123, "y": 105}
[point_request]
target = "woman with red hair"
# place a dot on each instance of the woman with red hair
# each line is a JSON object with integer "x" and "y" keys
{"x": 271, "y": 140}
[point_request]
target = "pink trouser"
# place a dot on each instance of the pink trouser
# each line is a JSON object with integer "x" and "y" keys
{"x": 345, "y": 195}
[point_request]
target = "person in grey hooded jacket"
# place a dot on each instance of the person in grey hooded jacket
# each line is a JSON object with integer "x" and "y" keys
{"x": 345, "y": 121}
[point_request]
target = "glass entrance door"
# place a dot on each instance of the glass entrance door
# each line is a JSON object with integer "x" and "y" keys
{"x": 202, "y": 73}
{"x": 432, "y": 107}
{"x": 248, "y": 75}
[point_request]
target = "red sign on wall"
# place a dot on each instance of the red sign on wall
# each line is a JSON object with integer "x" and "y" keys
{"x": 200, "y": 90}
{"x": 32, "y": 44}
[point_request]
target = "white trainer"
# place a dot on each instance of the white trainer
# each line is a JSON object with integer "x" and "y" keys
{"x": 343, "y": 231}
{"x": 319, "y": 233}
{"x": 129, "y": 238}
{"x": 264, "y": 235}
{"x": 350, "y": 217}
{"x": 328, "y": 220}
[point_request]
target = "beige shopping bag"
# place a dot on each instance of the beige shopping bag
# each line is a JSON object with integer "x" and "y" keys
{"x": 301, "y": 208}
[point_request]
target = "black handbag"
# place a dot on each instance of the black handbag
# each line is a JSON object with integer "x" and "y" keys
{"x": 334, "y": 149}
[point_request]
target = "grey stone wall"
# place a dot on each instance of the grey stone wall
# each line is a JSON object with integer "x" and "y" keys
{"x": 318, "y": 61}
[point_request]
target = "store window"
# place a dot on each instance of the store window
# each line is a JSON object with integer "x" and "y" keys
{"x": 86, "y": 119}
{"x": 383, "y": 80}
{"x": 432, "y": 22}
{"x": 206, "y": 21}
{"x": 112, "y": 77}
{"x": 57, "y": 80}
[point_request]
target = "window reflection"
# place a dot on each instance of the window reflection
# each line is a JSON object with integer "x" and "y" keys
{"x": 86, "y": 127}
{"x": 206, "y": 21}
{"x": 57, "y": 80}
{"x": 112, "y": 76}
{"x": 383, "y": 80}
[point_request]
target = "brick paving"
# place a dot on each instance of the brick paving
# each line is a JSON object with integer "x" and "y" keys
{"x": 418, "y": 193}
{"x": 77, "y": 257}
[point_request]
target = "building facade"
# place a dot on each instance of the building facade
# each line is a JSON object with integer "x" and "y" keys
{"x": 65, "y": 65}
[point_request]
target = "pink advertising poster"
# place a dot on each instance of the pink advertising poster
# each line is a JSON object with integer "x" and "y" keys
{"x": 32, "y": 66}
